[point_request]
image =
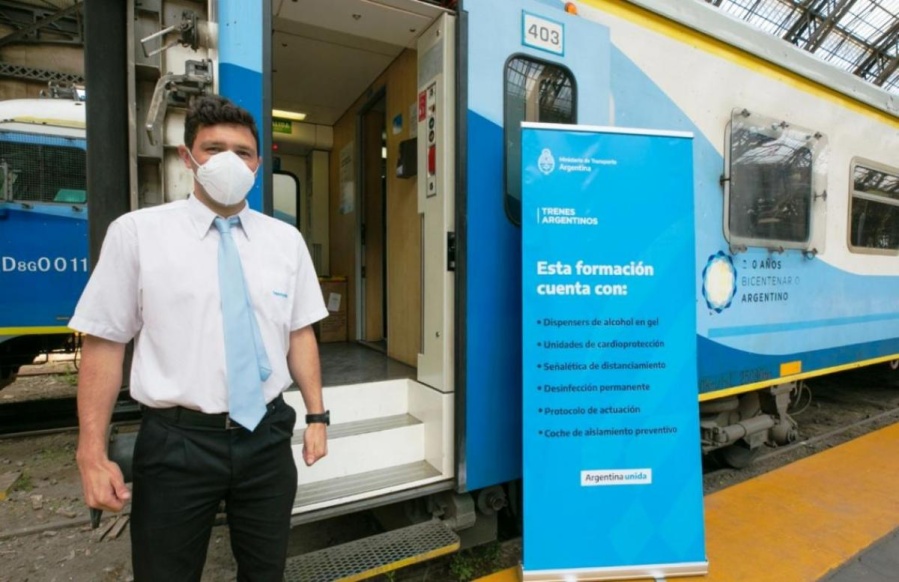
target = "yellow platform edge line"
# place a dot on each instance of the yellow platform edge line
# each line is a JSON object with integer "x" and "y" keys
{"x": 801, "y": 521}
{"x": 423, "y": 557}
{"x": 508, "y": 575}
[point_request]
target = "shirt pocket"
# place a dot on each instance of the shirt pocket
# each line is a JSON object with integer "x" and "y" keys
{"x": 272, "y": 292}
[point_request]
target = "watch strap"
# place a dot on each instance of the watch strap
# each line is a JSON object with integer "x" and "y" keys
{"x": 323, "y": 418}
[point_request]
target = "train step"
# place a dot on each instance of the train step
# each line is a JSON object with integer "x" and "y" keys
{"x": 374, "y": 555}
{"x": 352, "y": 487}
{"x": 386, "y": 438}
{"x": 387, "y": 442}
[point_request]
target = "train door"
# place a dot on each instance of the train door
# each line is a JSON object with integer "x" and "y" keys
{"x": 372, "y": 235}
{"x": 527, "y": 60}
{"x": 353, "y": 68}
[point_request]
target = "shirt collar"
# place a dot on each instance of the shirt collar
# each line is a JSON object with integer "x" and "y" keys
{"x": 202, "y": 217}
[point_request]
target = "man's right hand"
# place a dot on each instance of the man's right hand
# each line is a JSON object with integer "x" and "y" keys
{"x": 99, "y": 382}
{"x": 103, "y": 483}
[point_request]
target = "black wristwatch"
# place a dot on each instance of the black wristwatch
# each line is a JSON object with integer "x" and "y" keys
{"x": 324, "y": 418}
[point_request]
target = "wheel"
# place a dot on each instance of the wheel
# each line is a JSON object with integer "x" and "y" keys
{"x": 738, "y": 456}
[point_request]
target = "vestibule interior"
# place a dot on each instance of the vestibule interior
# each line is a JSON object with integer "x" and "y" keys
{"x": 346, "y": 66}
{"x": 350, "y": 66}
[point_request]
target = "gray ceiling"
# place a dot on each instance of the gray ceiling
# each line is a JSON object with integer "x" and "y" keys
{"x": 325, "y": 53}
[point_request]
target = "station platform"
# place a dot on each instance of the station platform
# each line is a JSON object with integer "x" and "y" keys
{"x": 833, "y": 517}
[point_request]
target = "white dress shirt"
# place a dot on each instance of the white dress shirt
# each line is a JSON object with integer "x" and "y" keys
{"x": 157, "y": 282}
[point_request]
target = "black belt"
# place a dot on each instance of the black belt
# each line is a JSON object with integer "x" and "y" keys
{"x": 196, "y": 419}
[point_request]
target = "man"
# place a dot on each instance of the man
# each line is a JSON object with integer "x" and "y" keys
{"x": 214, "y": 427}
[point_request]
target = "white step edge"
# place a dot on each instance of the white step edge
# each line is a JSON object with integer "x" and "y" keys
{"x": 347, "y": 429}
{"x": 354, "y": 402}
{"x": 363, "y": 452}
{"x": 361, "y": 486}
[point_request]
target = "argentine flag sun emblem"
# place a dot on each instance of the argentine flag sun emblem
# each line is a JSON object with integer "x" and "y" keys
{"x": 719, "y": 282}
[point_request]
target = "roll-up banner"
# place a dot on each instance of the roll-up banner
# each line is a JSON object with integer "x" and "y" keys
{"x": 612, "y": 462}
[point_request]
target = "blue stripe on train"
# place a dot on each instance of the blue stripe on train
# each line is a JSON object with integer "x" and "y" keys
{"x": 240, "y": 49}
{"x": 244, "y": 87}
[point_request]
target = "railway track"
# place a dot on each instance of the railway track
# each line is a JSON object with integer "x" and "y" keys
{"x": 47, "y": 415}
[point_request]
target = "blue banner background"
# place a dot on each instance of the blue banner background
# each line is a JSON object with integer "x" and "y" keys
{"x": 634, "y": 191}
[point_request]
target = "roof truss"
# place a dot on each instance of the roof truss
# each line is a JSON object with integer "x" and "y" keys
{"x": 860, "y": 36}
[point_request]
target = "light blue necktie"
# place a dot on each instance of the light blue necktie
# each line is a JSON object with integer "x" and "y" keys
{"x": 245, "y": 356}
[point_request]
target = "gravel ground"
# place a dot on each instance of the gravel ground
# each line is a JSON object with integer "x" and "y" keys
{"x": 45, "y": 532}
{"x": 45, "y": 536}
{"x": 55, "y": 379}
{"x": 44, "y": 525}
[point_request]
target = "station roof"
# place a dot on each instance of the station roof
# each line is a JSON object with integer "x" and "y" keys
{"x": 860, "y": 36}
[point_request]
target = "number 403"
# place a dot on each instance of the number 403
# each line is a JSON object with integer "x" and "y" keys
{"x": 544, "y": 34}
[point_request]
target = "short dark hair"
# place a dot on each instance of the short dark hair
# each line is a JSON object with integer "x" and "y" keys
{"x": 208, "y": 110}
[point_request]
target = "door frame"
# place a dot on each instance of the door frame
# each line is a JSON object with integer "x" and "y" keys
{"x": 374, "y": 98}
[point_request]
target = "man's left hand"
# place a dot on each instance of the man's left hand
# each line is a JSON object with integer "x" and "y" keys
{"x": 315, "y": 443}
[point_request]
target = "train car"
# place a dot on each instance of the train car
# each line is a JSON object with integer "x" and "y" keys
{"x": 409, "y": 160}
{"x": 43, "y": 227}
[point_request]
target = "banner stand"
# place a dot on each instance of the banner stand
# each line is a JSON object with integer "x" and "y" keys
{"x": 612, "y": 470}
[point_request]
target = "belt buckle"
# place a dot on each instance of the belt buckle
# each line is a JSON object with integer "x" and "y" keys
{"x": 231, "y": 424}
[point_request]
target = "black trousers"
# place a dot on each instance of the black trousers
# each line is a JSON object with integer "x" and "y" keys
{"x": 182, "y": 473}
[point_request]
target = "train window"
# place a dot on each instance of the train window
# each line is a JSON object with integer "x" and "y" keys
{"x": 535, "y": 90}
{"x": 38, "y": 172}
{"x": 874, "y": 208}
{"x": 769, "y": 189}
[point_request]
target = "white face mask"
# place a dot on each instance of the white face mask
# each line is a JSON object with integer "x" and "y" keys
{"x": 225, "y": 177}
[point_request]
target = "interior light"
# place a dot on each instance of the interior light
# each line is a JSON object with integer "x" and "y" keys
{"x": 281, "y": 114}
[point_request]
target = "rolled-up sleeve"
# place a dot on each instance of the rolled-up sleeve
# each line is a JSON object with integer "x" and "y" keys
{"x": 109, "y": 307}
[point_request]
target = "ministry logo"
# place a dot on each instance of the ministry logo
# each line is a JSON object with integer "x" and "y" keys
{"x": 546, "y": 162}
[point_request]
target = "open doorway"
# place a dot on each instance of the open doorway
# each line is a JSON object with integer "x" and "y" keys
{"x": 373, "y": 222}
{"x": 351, "y": 70}
{"x": 353, "y": 117}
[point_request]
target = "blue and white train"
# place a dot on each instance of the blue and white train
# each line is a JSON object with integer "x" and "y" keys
{"x": 43, "y": 227}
